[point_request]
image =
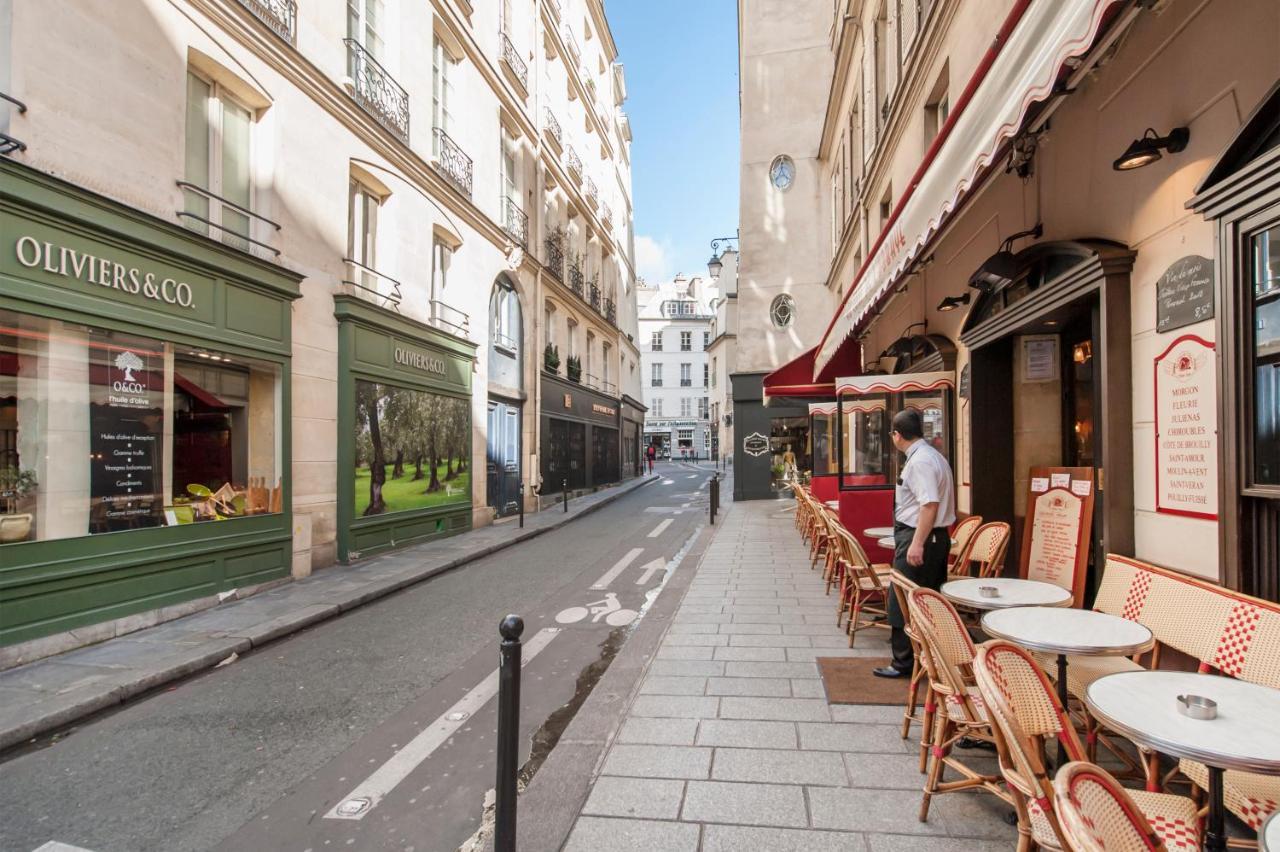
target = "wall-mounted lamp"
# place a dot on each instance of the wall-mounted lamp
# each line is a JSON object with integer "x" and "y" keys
{"x": 1144, "y": 151}
{"x": 715, "y": 265}
{"x": 950, "y": 303}
{"x": 999, "y": 270}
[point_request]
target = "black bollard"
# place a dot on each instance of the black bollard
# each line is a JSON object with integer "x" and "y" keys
{"x": 522, "y": 504}
{"x": 504, "y": 826}
{"x": 564, "y": 489}
{"x": 715, "y": 496}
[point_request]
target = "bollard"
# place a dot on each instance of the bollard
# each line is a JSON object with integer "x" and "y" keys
{"x": 522, "y": 504}
{"x": 504, "y": 826}
{"x": 564, "y": 489}
{"x": 715, "y": 496}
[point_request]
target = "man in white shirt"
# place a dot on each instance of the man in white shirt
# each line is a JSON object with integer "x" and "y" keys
{"x": 923, "y": 512}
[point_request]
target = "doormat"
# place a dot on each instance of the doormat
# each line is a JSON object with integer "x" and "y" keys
{"x": 848, "y": 680}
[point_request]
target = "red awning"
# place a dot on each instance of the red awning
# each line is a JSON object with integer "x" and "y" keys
{"x": 795, "y": 378}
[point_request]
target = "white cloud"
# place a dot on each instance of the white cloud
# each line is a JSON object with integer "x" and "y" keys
{"x": 651, "y": 259}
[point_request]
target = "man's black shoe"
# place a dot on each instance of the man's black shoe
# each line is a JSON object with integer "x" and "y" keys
{"x": 890, "y": 672}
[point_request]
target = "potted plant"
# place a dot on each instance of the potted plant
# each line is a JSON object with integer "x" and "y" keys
{"x": 551, "y": 358}
{"x": 573, "y": 369}
{"x": 15, "y": 485}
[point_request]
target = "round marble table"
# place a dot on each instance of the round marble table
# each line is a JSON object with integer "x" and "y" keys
{"x": 1010, "y": 593}
{"x": 1068, "y": 631}
{"x": 1269, "y": 834}
{"x": 887, "y": 542}
{"x": 1143, "y": 706}
{"x": 878, "y": 532}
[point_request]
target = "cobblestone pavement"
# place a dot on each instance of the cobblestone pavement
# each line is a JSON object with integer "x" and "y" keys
{"x": 730, "y": 744}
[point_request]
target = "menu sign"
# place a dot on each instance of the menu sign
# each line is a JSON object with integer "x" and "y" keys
{"x": 1187, "y": 429}
{"x": 125, "y": 421}
{"x": 1055, "y": 539}
{"x": 1184, "y": 294}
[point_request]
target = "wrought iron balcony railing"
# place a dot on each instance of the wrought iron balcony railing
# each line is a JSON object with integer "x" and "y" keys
{"x": 573, "y": 162}
{"x": 504, "y": 341}
{"x": 576, "y": 279}
{"x": 686, "y": 383}
{"x": 452, "y": 162}
{"x": 449, "y": 319}
{"x": 566, "y": 35}
{"x": 234, "y": 222}
{"x": 512, "y": 58}
{"x": 611, "y": 311}
{"x": 280, "y": 16}
{"x": 9, "y": 144}
{"x": 552, "y": 125}
{"x": 606, "y": 213}
{"x": 515, "y": 221}
{"x": 593, "y": 194}
{"x": 609, "y": 387}
{"x": 371, "y": 284}
{"x": 593, "y": 297}
{"x": 376, "y": 91}
{"x": 554, "y": 258}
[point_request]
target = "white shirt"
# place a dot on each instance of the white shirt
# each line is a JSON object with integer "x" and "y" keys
{"x": 926, "y": 478}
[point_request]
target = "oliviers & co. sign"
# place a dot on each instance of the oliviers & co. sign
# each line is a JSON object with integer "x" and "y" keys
{"x": 82, "y": 266}
{"x": 409, "y": 358}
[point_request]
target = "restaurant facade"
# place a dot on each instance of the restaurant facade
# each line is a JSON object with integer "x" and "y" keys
{"x": 1051, "y": 208}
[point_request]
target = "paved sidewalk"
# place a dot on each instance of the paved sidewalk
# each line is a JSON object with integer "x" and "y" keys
{"x": 729, "y": 742}
{"x": 53, "y": 692}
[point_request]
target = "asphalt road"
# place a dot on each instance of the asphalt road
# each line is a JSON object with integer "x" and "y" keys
{"x": 359, "y": 716}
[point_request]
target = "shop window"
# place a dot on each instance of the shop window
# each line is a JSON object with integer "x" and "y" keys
{"x": 218, "y": 164}
{"x": 1264, "y": 442}
{"x": 413, "y": 449}
{"x": 869, "y": 455}
{"x": 789, "y": 457}
{"x": 107, "y": 432}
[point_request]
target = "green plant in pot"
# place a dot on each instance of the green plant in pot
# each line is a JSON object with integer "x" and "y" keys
{"x": 573, "y": 369}
{"x": 551, "y": 358}
{"x": 15, "y": 486}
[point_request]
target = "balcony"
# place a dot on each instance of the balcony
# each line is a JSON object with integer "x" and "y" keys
{"x": 450, "y": 320}
{"x": 593, "y": 295}
{"x": 611, "y": 312}
{"x": 606, "y": 214}
{"x": 376, "y": 91}
{"x": 566, "y": 35}
{"x": 234, "y": 224}
{"x": 515, "y": 222}
{"x": 371, "y": 285}
{"x": 554, "y": 257}
{"x": 511, "y": 58}
{"x": 686, "y": 383}
{"x": 551, "y": 126}
{"x": 280, "y": 16}
{"x": 593, "y": 194}
{"x": 452, "y": 162}
{"x": 573, "y": 162}
{"x": 577, "y": 282}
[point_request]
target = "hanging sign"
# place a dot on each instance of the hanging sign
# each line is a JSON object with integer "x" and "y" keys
{"x": 755, "y": 444}
{"x": 1187, "y": 429}
{"x": 1184, "y": 294}
{"x": 1055, "y": 537}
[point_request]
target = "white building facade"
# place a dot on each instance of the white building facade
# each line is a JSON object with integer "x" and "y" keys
{"x": 675, "y": 336}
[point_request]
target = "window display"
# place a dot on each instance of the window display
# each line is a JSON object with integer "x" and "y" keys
{"x": 413, "y": 449}
{"x": 102, "y": 431}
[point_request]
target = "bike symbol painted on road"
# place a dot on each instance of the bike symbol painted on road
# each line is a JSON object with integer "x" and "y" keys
{"x": 609, "y": 609}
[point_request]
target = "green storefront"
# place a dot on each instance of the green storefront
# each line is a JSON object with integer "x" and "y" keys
{"x": 144, "y": 411}
{"x": 404, "y": 430}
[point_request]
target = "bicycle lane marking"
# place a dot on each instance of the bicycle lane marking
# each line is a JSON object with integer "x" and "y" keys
{"x": 618, "y": 567}
{"x": 660, "y": 528}
{"x": 364, "y": 798}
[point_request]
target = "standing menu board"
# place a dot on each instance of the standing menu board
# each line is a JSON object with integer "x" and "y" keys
{"x": 1055, "y": 539}
{"x": 1186, "y": 389}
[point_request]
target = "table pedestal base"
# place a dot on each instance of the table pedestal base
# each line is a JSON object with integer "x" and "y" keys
{"x": 1215, "y": 831}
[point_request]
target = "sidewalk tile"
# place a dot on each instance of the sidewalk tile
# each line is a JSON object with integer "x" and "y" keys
{"x": 600, "y": 834}
{"x": 743, "y": 734}
{"x": 675, "y": 706}
{"x": 781, "y": 709}
{"x": 752, "y": 655}
{"x": 807, "y": 688}
{"x": 774, "y": 641}
{"x": 682, "y": 652}
{"x": 875, "y": 714}
{"x": 870, "y": 811}
{"x": 657, "y": 685}
{"x": 744, "y": 804}
{"x": 658, "y": 761}
{"x": 779, "y": 767}
{"x": 884, "y": 771}
{"x": 770, "y": 670}
{"x": 908, "y": 843}
{"x": 763, "y": 686}
{"x": 687, "y": 668}
{"x": 736, "y": 838}
{"x": 635, "y": 797}
{"x": 752, "y": 629}
{"x": 659, "y": 731}
{"x": 696, "y": 640}
{"x": 871, "y": 739}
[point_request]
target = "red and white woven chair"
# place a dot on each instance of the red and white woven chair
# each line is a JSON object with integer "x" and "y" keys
{"x": 1098, "y": 815}
{"x": 902, "y": 587}
{"x": 961, "y": 535}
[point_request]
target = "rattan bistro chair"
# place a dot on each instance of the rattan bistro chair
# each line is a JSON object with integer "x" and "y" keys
{"x": 1098, "y": 815}
{"x": 902, "y": 587}
{"x": 862, "y": 588}
{"x": 1026, "y": 714}
{"x": 961, "y": 535}
{"x": 986, "y": 547}
{"x": 948, "y": 659}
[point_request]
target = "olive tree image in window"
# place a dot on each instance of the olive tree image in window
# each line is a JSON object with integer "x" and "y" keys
{"x": 412, "y": 449}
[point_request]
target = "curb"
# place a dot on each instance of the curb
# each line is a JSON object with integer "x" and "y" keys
{"x": 57, "y": 711}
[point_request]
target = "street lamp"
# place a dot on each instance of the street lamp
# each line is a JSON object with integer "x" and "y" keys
{"x": 715, "y": 265}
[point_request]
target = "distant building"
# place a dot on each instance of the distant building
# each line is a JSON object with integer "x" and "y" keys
{"x": 675, "y": 320}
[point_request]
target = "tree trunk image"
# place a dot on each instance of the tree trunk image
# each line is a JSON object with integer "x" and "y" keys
{"x": 417, "y": 464}
{"x": 398, "y": 470}
{"x": 378, "y": 464}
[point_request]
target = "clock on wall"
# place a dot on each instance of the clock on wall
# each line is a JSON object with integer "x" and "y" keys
{"x": 782, "y": 172}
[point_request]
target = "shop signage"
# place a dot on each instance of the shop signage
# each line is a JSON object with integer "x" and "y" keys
{"x": 755, "y": 444}
{"x": 1187, "y": 429}
{"x": 1184, "y": 294}
{"x": 428, "y": 363}
{"x": 125, "y": 421}
{"x": 1059, "y": 517}
{"x": 668, "y": 424}
{"x": 82, "y": 266}
{"x": 604, "y": 409}
{"x": 568, "y": 400}
{"x": 963, "y": 389}
{"x": 1040, "y": 358}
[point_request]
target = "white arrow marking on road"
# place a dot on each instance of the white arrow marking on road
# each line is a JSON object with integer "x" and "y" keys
{"x": 620, "y": 566}
{"x": 692, "y": 476}
{"x": 668, "y": 482}
{"x": 660, "y": 528}
{"x": 664, "y": 509}
{"x": 388, "y": 776}
{"x": 650, "y": 569}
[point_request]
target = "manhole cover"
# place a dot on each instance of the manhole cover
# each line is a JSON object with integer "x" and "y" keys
{"x": 353, "y": 807}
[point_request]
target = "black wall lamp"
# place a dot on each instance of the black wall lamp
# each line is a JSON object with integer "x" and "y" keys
{"x": 715, "y": 265}
{"x": 1144, "y": 151}
{"x": 950, "y": 303}
{"x": 999, "y": 270}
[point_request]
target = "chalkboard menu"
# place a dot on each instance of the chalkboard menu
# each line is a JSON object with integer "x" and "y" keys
{"x": 1184, "y": 294}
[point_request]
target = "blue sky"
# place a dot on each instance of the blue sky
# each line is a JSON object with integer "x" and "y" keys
{"x": 681, "y": 59}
